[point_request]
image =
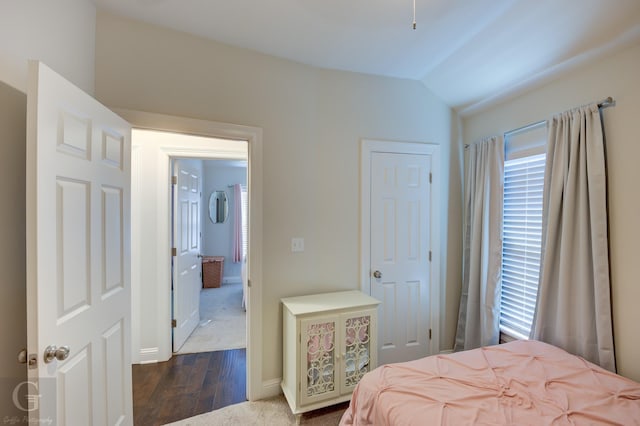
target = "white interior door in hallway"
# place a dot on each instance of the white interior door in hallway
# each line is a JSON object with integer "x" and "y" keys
{"x": 78, "y": 256}
{"x": 187, "y": 241}
{"x": 400, "y": 250}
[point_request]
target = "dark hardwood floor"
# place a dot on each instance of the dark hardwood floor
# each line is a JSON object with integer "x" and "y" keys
{"x": 188, "y": 385}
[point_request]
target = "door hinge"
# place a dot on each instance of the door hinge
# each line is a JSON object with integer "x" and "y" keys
{"x": 429, "y": 334}
{"x": 174, "y": 323}
{"x": 429, "y": 255}
{"x": 174, "y": 251}
{"x": 248, "y": 283}
{"x": 174, "y": 180}
{"x": 430, "y": 177}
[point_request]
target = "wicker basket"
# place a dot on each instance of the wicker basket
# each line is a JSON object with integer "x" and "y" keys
{"x": 212, "y": 270}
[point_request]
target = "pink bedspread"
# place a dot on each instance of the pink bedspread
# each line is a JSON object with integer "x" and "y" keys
{"x": 517, "y": 383}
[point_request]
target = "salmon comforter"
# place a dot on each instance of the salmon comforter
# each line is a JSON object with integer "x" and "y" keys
{"x": 517, "y": 383}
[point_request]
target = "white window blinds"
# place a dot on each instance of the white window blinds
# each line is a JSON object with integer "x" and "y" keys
{"x": 522, "y": 228}
{"x": 522, "y": 231}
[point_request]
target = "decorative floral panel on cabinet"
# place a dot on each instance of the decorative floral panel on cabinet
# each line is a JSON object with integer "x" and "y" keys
{"x": 357, "y": 359}
{"x": 320, "y": 358}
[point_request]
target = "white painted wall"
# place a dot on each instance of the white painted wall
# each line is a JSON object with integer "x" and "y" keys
{"x": 312, "y": 121}
{"x": 59, "y": 33}
{"x": 13, "y": 292}
{"x": 217, "y": 238}
{"x": 617, "y": 76}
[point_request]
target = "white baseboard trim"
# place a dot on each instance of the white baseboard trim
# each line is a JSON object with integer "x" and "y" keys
{"x": 149, "y": 355}
{"x": 232, "y": 280}
{"x": 446, "y": 351}
{"x": 271, "y": 388}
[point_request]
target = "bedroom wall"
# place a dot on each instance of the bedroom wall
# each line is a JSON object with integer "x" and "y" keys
{"x": 217, "y": 238}
{"x": 61, "y": 34}
{"x": 617, "y": 76}
{"x": 312, "y": 121}
{"x": 13, "y": 292}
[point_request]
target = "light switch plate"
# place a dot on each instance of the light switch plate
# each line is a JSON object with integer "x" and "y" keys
{"x": 297, "y": 245}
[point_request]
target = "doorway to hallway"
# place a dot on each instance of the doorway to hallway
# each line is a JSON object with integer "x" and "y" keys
{"x": 151, "y": 337}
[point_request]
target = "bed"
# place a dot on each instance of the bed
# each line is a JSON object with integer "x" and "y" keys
{"x": 516, "y": 383}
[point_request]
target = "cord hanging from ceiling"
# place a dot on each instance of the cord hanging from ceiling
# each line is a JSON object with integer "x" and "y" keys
{"x": 414, "y": 14}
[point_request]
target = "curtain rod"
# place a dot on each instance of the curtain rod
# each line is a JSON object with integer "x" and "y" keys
{"x": 605, "y": 103}
{"x": 523, "y": 128}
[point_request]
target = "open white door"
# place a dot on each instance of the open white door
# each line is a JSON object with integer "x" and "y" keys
{"x": 78, "y": 256}
{"x": 187, "y": 278}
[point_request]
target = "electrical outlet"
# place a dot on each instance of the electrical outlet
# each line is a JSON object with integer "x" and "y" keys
{"x": 297, "y": 245}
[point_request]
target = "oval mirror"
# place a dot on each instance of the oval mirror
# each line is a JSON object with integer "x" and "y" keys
{"x": 218, "y": 207}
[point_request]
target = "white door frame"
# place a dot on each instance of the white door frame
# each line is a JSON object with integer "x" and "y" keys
{"x": 367, "y": 148}
{"x": 253, "y": 135}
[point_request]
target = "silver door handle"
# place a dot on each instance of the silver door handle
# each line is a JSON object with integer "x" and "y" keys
{"x": 53, "y": 352}
{"x": 22, "y": 356}
{"x": 26, "y": 358}
{"x": 377, "y": 274}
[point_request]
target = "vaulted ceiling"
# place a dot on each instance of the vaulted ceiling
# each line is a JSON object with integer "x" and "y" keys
{"x": 468, "y": 52}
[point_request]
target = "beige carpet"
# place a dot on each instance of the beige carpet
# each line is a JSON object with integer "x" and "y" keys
{"x": 223, "y": 321}
{"x": 268, "y": 412}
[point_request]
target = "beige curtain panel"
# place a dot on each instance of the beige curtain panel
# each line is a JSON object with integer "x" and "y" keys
{"x": 479, "y": 314}
{"x": 574, "y": 306}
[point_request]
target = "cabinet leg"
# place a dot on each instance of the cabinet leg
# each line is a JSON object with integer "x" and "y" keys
{"x": 298, "y": 418}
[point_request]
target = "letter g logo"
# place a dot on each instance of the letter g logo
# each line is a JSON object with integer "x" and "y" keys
{"x": 32, "y": 397}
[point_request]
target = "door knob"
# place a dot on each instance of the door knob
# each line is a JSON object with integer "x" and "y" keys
{"x": 22, "y": 356}
{"x": 377, "y": 274}
{"x": 52, "y": 352}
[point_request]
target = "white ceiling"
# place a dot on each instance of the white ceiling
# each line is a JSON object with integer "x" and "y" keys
{"x": 468, "y": 52}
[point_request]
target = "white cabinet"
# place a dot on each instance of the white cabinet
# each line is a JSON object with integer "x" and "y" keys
{"x": 329, "y": 343}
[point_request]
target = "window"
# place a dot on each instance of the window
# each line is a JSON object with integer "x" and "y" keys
{"x": 245, "y": 204}
{"x": 521, "y": 231}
